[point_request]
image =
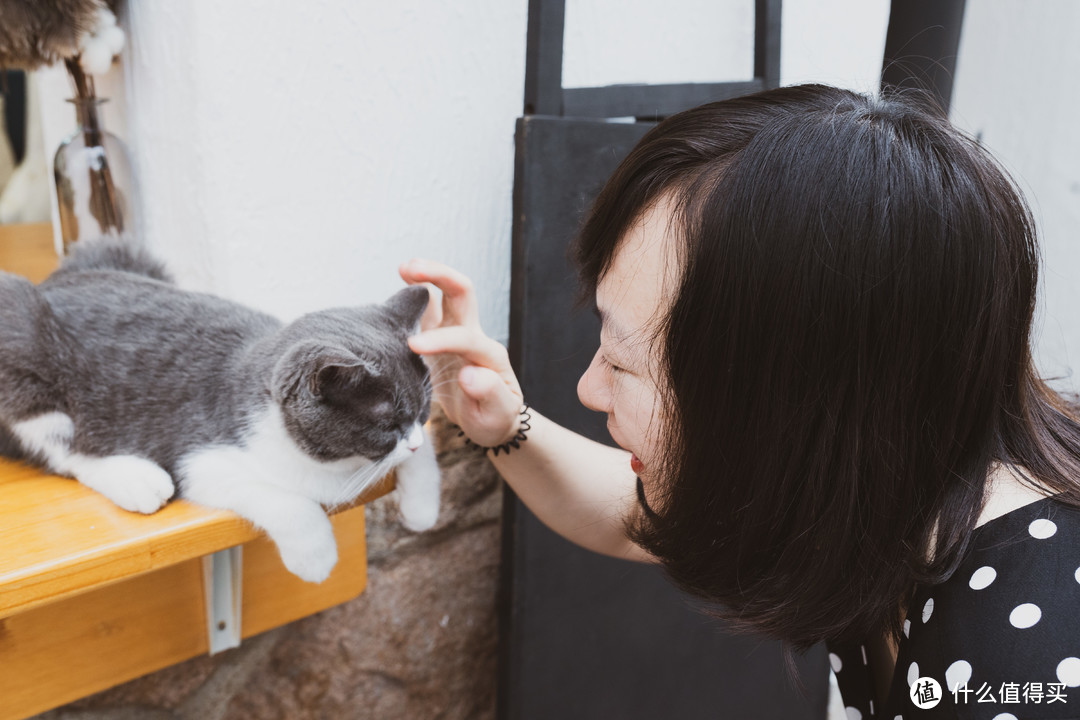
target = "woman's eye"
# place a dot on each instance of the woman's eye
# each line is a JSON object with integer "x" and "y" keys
{"x": 611, "y": 366}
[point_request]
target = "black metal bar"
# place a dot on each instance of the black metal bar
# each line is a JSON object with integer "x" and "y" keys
{"x": 921, "y": 46}
{"x": 543, "y": 57}
{"x": 14, "y": 90}
{"x": 648, "y": 101}
{"x": 767, "y": 42}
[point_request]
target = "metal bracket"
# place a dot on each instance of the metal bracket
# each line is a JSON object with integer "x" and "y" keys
{"x": 222, "y": 579}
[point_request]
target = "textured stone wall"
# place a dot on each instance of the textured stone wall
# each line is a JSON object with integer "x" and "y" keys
{"x": 418, "y": 643}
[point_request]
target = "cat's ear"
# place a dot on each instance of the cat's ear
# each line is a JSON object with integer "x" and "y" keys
{"x": 316, "y": 368}
{"x": 406, "y": 306}
{"x": 338, "y": 376}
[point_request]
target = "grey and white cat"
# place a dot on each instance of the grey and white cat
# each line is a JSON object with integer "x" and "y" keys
{"x": 111, "y": 374}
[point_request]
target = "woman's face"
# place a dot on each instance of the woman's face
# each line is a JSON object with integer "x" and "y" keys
{"x": 625, "y": 379}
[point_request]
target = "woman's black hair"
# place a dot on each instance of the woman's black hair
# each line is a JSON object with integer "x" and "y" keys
{"x": 846, "y": 356}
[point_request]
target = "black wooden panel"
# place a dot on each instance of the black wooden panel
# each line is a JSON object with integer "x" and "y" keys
{"x": 544, "y": 94}
{"x": 585, "y": 636}
{"x": 921, "y": 46}
{"x": 649, "y": 101}
{"x": 544, "y": 56}
{"x": 767, "y": 42}
{"x": 13, "y": 87}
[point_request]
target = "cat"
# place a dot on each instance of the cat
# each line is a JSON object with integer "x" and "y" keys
{"x": 113, "y": 375}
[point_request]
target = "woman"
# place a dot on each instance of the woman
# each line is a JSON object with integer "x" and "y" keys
{"x": 815, "y": 354}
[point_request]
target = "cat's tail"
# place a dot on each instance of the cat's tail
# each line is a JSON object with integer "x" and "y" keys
{"x": 32, "y": 348}
{"x": 111, "y": 254}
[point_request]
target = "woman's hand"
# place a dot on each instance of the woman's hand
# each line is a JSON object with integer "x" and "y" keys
{"x": 471, "y": 375}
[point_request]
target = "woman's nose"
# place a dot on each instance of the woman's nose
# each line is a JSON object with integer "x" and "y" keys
{"x": 592, "y": 388}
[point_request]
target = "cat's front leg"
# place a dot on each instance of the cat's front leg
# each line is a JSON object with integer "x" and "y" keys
{"x": 219, "y": 477}
{"x": 418, "y": 481}
{"x": 300, "y": 529}
{"x": 134, "y": 483}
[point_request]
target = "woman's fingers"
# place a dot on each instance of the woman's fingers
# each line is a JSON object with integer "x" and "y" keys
{"x": 472, "y": 345}
{"x": 459, "y": 298}
{"x": 484, "y": 396}
{"x": 432, "y": 317}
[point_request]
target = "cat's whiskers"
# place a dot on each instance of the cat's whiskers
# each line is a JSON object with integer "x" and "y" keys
{"x": 358, "y": 483}
{"x": 360, "y": 480}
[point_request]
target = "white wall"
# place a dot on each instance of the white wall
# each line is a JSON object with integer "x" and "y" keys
{"x": 643, "y": 41}
{"x": 292, "y": 158}
{"x": 1015, "y": 83}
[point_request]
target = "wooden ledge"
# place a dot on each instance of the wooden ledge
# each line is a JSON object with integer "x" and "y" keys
{"x": 28, "y": 250}
{"x": 92, "y": 596}
{"x": 59, "y": 538}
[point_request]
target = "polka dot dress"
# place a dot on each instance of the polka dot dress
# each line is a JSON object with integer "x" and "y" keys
{"x": 1001, "y": 637}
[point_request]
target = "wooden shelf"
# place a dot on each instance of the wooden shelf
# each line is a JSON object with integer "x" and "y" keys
{"x": 59, "y": 538}
{"x": 28, "y": 250}
{"x": 92, "y": 596}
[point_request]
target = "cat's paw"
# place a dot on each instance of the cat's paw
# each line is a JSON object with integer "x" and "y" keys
{"x": 418, "y": 512}
{"x": 418, "y": 480}
{"x": 134, "y": 483}
{"x": 311, "y": 557}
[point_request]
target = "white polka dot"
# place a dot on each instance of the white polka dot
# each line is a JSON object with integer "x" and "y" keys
{"x": 1068, "y": 671}
{"x": 1042, "y": 528}
{"x": 1005, "y": 716}
{"x": 907, "y": 627}
{"x": 1077, "y": 574}
{"x": 1024, "y": 616}
{"x": 834, "y": 660}
{"x": 853, "y": 713}
{"x": 928, "y": 609}
{"x": 912, "y": 674}
{"x": 957, "y": 674}
{"x": 982, "y": 577}
{"x": 899, "y": 717}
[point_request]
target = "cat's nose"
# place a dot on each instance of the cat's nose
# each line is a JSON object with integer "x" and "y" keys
{"x": 416, "y": 438}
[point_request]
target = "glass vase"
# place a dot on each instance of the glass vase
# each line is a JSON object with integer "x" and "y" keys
{"x": 93, "y": 180}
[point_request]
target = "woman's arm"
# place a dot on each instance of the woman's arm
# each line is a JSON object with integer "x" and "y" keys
{"x": 581, "y": 489}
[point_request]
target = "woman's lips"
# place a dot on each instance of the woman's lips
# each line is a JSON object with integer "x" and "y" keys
{"x": 635, "y": 464}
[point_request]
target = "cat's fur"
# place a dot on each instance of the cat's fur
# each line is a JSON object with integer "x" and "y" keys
{"x": 111, "y": 374}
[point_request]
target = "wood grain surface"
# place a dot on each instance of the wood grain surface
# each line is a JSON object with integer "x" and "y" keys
{"x": 28, "y": 250}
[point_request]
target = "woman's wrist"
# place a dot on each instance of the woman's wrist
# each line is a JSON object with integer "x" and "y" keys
{"x": 518, "y": 436}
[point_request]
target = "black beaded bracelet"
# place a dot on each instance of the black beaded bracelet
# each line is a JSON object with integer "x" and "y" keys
{"x": 514, "y": 442}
